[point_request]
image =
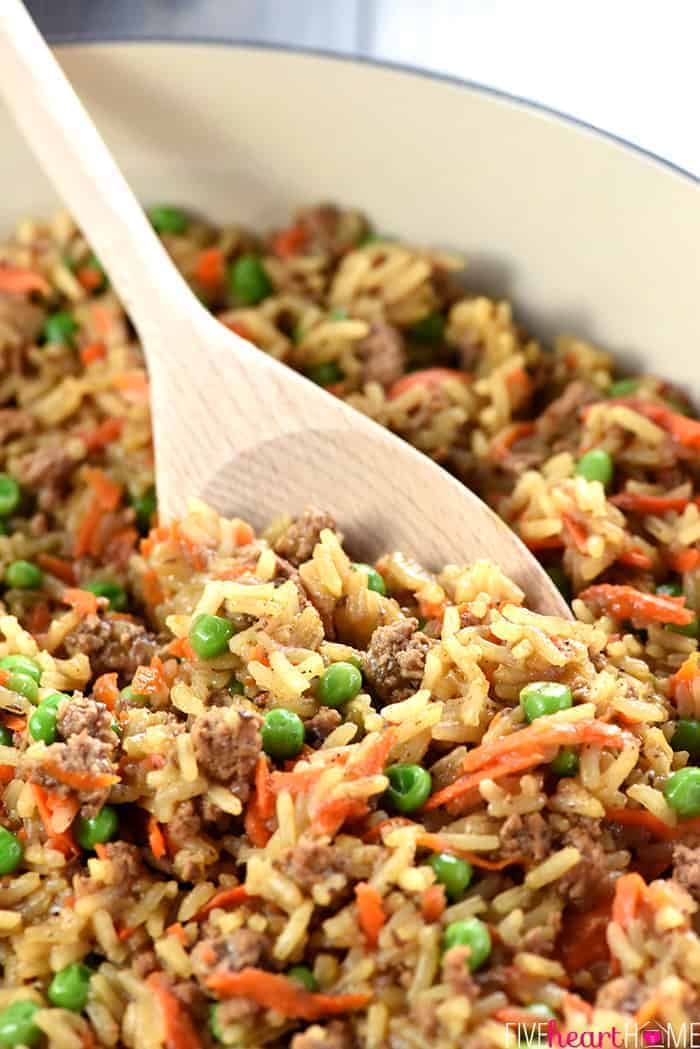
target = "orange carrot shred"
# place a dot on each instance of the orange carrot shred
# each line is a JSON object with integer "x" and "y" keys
{"x": 149, "y": 681}
{"x": 126, "y": 932}
{"x": 62, "y": 841}
{"x": 433, "y": 903}
{"x": 39, "y": 618}
{"x": 177, "y": 930}
{"x": 428, "y": 378}
{"x": 626, "y": 602}
{"x": 78, "y": 780}
{"x": 133, "y": 385}
{"x": 289, "y": 242}
{"x": 14, "y": 722}
{"x": 83, "y": 601}
{"x": 684, "y": 560}
{"x": 87, "y": 529}
{"x": 210, "y": 268}
{"x": 370, "y": 912}
{"x": 14, "y": 280}
{"x": 244, "y": 534}
{"x": 89, "y": 278}
{"x": 99, "y": 437}
{"x": 636, "y": 559}
{"x": 642, "y": 818}
{"x": 152, "y": 591}
{"x": 156, "y": 838}
{"x": 106, "y": 690}
{"x": 630, "y": 892}
{"x": 507, "y": 766}
{"x": 286, "y": 997}
{"x": 263, "y": 788}
{"x": 107, "y": 491}
{"x": 7, "y": 773}
{"x": 255, "y": 826}
{"x": 642, "y": 503}
{"x": 58, "y": 567}
{"x": 226, "y": 898}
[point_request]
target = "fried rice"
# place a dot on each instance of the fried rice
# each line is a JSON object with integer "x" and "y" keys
{"x": 476, "y": 819}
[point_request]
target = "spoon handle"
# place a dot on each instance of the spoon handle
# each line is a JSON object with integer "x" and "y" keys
{"x": 67, "y": 145}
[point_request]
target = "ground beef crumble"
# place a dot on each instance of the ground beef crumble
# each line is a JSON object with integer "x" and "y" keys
{"x": 382, "y": 355}
{"x": 686, "y": 868}
{"x": 83, "y": 754}
{"x": 525, "y": 836}
{"x": 297, "y": 543}
{"x": 395, "y": 659}
{"x": 231, "y": 953}
{"x": 227, "y": 750}
{"x": 309, "y": 861}
{"x": 113, "y": 645}
{"x": 82, "y": 714}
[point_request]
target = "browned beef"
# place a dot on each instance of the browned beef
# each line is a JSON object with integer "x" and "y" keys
{"x": 14, "y": 422}
{"x": 226, "y": 752}
{"x": 309, "y": 861}
{"x": 297, "y": 543}
{"x": 83, "y": 754}
{"x": 561, "y": 417}
{"x": 395, "y": 659}
{"x": 81, "y": 714}
{"x": 456, "y": 973}
{"x": 184, "y": 825}
{"x": 113, "y": 645}
{"x": 686, "y": 868}
{"x": 382, "y": 355}
{"x": 590, "y": 878}
{"x": 233, "y": 952}
{"x": 525, "y": 836}
{"x": 625, "y": 995}
{"x": 335, "y": 1035}
{"x": 22, "y": 316}
{"x": 320, "y": 726}
{"x": 48, "y": 470}
{"x": 330, "y": 230}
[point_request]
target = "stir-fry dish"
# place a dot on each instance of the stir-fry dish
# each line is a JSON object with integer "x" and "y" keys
{"x": 257, "y": 794}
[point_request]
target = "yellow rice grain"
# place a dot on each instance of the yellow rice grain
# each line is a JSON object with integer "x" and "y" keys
{"x": 552, "y": 868}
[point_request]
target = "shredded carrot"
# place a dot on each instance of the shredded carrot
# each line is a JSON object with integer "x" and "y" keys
{"x": 290, "y": 242}
{"x": 334, "y": 812}
{"x": 510, "y": 1014}
{"x": 106, "y": 433}
{"x": 181, "y": 648}
{"x": 156, "y": 838}
{"x": 370, "y": 912}
{"x": 626, "y": 602}
{"x": 577, "y": 532}
{"x": 126, "y": 932}
{"x": 240, "y": 329}
{"x": 427, "y": 378}
{"x": 101, "y": 851}
{"x": 180, "y": 1032}
{"x": 433, "y": 903}
{"x": 431, "y": 609}
{"x": 244, "y": 534}
{"x": 45, "y": 803}
{"x": 506, "y": 766}
{"x": 57, "y": 566}
{"x": 226, "y": 898}
{"x": 641, "y": 503}
{"x": 642, "y": 818}
{"x": 684, "y": 560}
{"x": 107, "y": 491}
{"x": 89, "y": 278}
{"x": 178, "y": 932}
{"x": 210, "y": 268}
{"x": 630, "y": 892}
{"x": 83, "y": 601}
{"x": 636, "y": 559}
{"x": 583, "y": 941}
{"x": 190, "y": 549}
{"x": 683, "y": 430}
{"x": 519, "y": 382}
{"x": 436, "y": 843}
{"x": 149, "y": 681}
{"x": 547, "y": 542}
{"x": 577, "y": 1004}
{"x": 106, "y": 690}
{"x": 14, "y": 280}
{"x": 545, "y": 733}
{"x": 377, "y": 831}
{"x": 152, "y": 592}
{"x": 7, "y": 773}
{"x": 39, "y": 618}
{"x": 507, "y": 437}
{"x": 133, "y": 385}
{"x": 286, "y": 997}
{"x": 295, "y": 782}
{"x": 88, "y": 1039}
{"x": 14, "y": 722}
{"x": 372, "y": 759}
{"x": 263, "y": 788}
{"x": 87, "y": 529}
{"x": 255, "y": 826}
{"x": 80, "y": 780}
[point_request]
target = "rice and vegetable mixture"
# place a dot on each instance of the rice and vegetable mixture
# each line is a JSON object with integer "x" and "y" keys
{"x": 257, "y": 794}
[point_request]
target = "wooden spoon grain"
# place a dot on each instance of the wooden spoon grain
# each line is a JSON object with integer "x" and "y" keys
{"x": 232, "y": 425}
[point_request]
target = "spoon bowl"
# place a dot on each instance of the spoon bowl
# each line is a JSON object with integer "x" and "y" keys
{"x": 231, "y": 424}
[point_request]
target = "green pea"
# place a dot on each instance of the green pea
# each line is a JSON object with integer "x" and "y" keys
{"x": 24, "y": 685}
{"x": 303, "y": 975}
{"x": 6, "y": 738}
{"x": 682, "y": 792}
{"x": 145, "y": 506}
{"x": 282, "y": 733}
{"x": 452, "y": 872}
{"x": 11, "y": 852}
{"x": 623, "y": 387}
{"x": 544, "y": 697}
{"x": 167, "y": 219}
{"x": 324, "y": 374}
{"x": 98, "y": 830}
{"x": 374, "y": 580}
{"x": 116, "y": 728}
{"x": 670, "y": 589}
{"x": 338, "y": 313}
{"x": 209, "y": 635}
{"x": 473, "y": 934}
{"x": 42, "y": 723}
{"x": 339, "y": 684}
{"x": 596, "y": 465}
{"x": 235, "y": 687}
{"x": 565, "y": 763}
{"x": 60, "y": 328}
{"x": 115, "y": 594}
{"x": 23, "y": 575}
{"x": 691, "y": 629}
{"x": 69, "y": 987}
{"x": 214, "y": 1025}
{"x": 22, "y": 664}
{"x": 409, "y": 787}
{"x": 17, "y": 1025}
{"x": 248, "y": 281}
{"x": 560, "y": 580}
{"x": 375, "y": 238}
{"x": 10, "y": 495}
{"x": 429, "y": 329}
{"x": 686, "y": 736}
{"x": 54, "y": 699}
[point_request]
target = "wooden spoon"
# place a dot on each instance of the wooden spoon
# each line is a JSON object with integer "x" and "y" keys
{"x": 231, "y": 424}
